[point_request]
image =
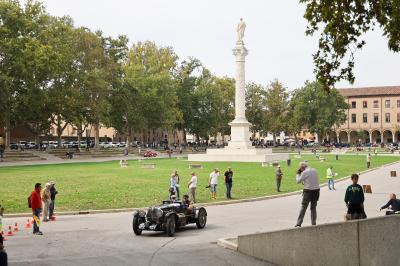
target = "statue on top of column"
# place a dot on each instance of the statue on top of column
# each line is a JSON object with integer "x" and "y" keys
{"x": 240, "y": 31}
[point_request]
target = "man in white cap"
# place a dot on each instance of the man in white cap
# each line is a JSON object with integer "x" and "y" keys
{"x": 309, "y": 178}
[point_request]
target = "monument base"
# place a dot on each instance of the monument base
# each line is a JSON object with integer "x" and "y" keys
{"x": 229, "y": 154}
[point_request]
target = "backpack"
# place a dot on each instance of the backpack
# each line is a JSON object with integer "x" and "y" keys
{"x": 29, "y": 202}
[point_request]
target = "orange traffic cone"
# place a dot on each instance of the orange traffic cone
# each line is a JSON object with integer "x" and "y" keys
{"x": 16, "y": 227}
{"x": 9, "y": 233}
{"x": 32, "y": 221}
{"x": 28, "y": 224}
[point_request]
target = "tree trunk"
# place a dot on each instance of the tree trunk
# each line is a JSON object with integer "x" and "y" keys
{"x": 59, "y": 131}
{"x": 184, "y": 136}
{"x": 79, "y": 133}
{"x": 274, "y": 138}
{"x": 96, "y": 135}
{"x": 7, "y": 131}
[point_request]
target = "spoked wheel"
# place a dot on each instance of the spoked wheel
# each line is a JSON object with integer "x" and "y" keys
{"x": 202, "y": 219}
{"x": 135, "y": 225}
{"x": 170, "y": 225}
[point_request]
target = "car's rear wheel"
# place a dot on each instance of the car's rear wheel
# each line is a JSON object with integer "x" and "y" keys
{"x": 201, "y": 219}
{"x": 170, "y": 225}
{"x": 135, "y": 225}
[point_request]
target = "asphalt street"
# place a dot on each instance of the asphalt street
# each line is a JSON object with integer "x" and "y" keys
{"x": 107, "y": 239}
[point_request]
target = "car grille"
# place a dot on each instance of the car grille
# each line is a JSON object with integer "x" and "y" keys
{"x": 152, "y": 215}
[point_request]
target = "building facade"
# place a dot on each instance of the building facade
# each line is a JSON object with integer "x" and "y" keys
{"x": 373, "y": 116}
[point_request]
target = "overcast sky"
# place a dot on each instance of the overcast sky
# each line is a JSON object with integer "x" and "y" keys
{"x": 278, "y": 47}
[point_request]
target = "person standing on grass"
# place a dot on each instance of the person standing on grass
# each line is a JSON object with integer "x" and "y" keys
{"x": 354, "y": 199}
{"x": 369, "y": 160}
{"x": 330, "y": 175}
{"x": 309, "y": 178}
{"x": 172, "y": 187}
{"x": 176, "y": 179}
{"x": 278, "y": 176}
{"x": 46, "y": 198}
{"x": 192, "y": 185}
{"x": 213, "y": 183}
{"x": 36, "y": 206}
{"x": 228, "y": 182}
{"x": 53, "y": 193}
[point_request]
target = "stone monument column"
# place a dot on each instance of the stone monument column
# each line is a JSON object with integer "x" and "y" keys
{"x": 240, "y": 126}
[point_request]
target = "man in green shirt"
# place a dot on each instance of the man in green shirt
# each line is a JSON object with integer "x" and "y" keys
{"x": 354, "y": 199}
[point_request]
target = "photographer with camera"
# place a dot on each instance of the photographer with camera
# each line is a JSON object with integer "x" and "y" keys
{"x": 309, "y": 178}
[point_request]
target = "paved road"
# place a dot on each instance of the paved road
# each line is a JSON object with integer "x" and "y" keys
{"x": 107, "y": 239}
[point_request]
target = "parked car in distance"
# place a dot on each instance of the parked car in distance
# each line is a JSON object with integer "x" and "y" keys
{"x": 150, "y": 153}
{"x": 14, "y": 146}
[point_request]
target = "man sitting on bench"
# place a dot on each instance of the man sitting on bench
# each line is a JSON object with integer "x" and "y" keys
{"x": 394, "y": 205}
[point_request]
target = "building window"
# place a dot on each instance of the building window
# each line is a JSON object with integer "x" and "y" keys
{"x": 365, "y": 118}
{"x": 353, "y": 105}
{"x": 365, "y": 104}
{"x": 376, "y": 118}
{"x": 398, "y": 117}
{"x": 353, "y": 118}
{"x": 376, "y": 104}
{"x": 387, "y": 117}
{"x": 387, "y": 103}
{"x": 398, "y": 103}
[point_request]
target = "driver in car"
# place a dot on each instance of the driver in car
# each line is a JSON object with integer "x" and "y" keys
{"x": 186, "y": 204}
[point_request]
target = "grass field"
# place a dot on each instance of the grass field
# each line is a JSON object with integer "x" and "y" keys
{"x": 84, "y": 186}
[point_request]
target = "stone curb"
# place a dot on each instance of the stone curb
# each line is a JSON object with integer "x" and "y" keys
{"x": 226, "y": 202}
{"x": 228, "y": 243}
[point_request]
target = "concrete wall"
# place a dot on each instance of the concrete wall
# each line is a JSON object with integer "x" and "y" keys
{"x": 373, "y": 241}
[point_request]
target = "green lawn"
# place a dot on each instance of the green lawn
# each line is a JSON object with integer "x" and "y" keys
{"x": 85, "y": 186}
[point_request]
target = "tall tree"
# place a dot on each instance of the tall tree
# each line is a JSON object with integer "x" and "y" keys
{"x": 276, "y": 105}
{"x": 13, "y": 39}
{"x": 256, "y": 107}
{"x": 187, "y": 79}
{"x": 341, "y": 25}
{"x": 149, "y": 71}
{"x": 317, "y": 110}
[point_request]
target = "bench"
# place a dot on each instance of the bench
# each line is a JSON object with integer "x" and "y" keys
{"x": 195, "y": 166}
{"x": 123, "y": 163}
{"x": 367, "y": 188}
{"x": 149, "y": 165}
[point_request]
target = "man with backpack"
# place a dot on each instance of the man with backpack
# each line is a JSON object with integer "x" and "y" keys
{"x": 35, "y": 203}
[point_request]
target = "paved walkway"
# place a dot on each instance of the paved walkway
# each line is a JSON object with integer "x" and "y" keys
{"x": 51, "y": 159}
{"x": 107, "y": 239}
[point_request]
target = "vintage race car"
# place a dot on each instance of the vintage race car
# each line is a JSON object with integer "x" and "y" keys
{"x": 168, "y": 217}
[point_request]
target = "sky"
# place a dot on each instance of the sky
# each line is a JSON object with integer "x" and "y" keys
{"x": 278, "y": 47}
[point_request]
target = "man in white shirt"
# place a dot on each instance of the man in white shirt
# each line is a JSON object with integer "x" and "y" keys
{"x": 213, "y": 182}
{"x": 192, "y": 187}
{"x": 309, "y": 178}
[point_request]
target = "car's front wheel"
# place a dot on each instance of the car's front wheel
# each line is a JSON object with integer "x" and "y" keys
{"x": 170, "y": 225}
{"x": 135, "y": 225}
{"x": 201, "y": 219}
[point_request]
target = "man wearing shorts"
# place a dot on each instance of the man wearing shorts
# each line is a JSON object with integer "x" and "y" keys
{"x": 213, "y": 183}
